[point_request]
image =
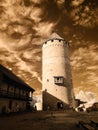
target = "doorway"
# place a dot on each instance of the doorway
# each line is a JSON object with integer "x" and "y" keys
{"x": 59, "y": 105}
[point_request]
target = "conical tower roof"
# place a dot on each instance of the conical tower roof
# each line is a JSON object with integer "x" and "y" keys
{"x": 55, "y": 36}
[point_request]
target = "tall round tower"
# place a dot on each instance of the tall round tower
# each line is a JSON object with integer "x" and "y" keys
{"x": 56, "y": 74}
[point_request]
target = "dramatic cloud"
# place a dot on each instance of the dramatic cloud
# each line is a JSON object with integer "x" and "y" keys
{"x": 86, "y": 16}
{"x": 26, "y": 24}
{"x": 42, "y": 31}
{"x": 77, "y": 2}
{"x": 86, "y": 96}
{"x": 84, "y": 61}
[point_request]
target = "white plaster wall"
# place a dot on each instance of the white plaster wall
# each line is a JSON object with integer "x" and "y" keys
{"x": 56, "y": 62}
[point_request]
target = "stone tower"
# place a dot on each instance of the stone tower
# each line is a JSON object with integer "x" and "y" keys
{"x": 56, "y": 74}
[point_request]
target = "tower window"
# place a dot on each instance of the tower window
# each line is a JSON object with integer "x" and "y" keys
{"x": 47, "y": 80}
{"x": 52, "y": 40}
{"x": 59, "y": 80}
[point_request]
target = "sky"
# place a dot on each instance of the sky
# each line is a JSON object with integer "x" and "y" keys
{"x": 26, "y": 24}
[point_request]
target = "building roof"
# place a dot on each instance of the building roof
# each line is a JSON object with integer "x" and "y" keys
{"x": 14, "y": 78}
{"x": 55, "y": 36}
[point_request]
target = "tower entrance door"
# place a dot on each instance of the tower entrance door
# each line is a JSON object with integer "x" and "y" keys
{"x": 59, "y": 105}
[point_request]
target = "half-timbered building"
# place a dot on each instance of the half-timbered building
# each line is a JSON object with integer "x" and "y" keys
{"x": 15, "y": 94}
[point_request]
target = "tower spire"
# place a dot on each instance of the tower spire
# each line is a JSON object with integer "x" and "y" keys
{"x": 54, "y": 35}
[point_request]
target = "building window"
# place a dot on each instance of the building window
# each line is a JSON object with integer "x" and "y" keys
{"x": 59, "y": 80}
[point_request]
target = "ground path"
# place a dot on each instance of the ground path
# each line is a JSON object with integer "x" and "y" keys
{"x": 58, "y": 120}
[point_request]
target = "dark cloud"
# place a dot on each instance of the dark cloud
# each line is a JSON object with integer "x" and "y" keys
{"x": 85, "y": 13}
{"x": 26, "y": 24}
{"x": 84, "y": 66}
